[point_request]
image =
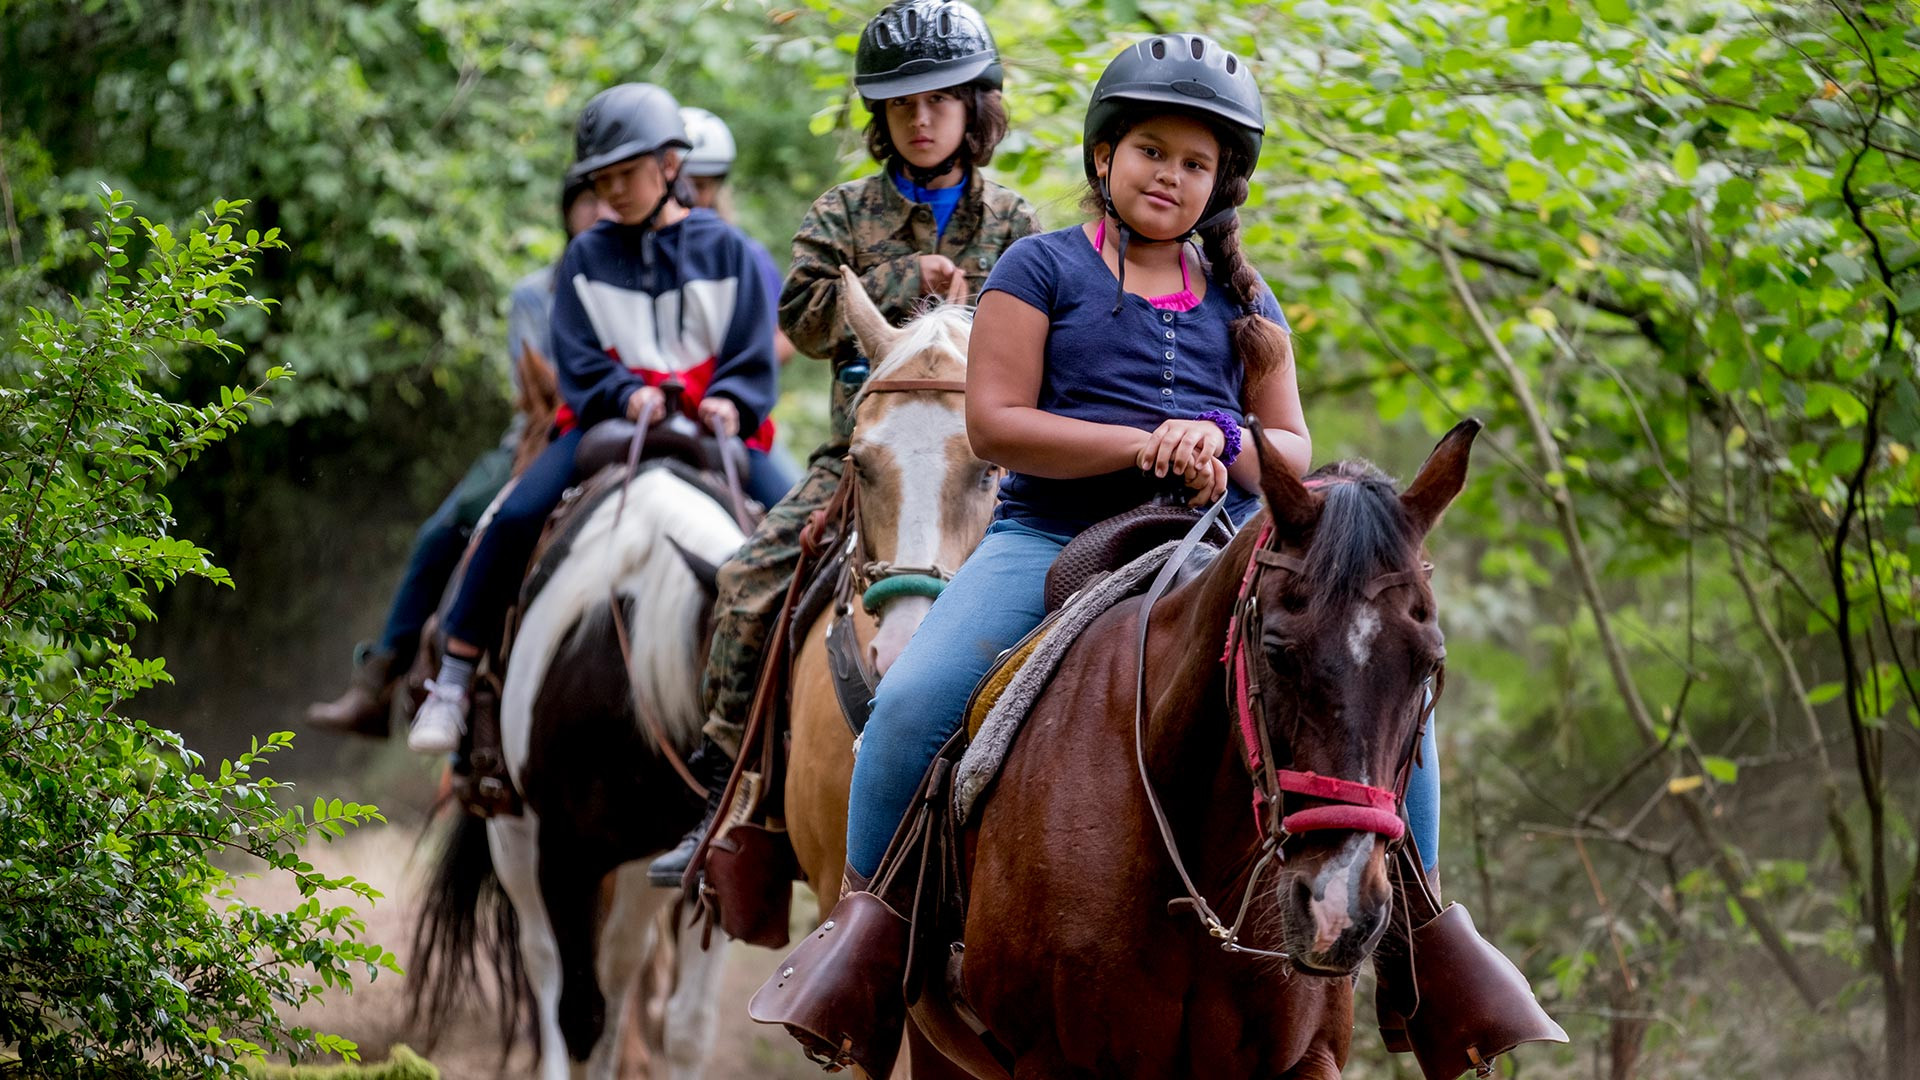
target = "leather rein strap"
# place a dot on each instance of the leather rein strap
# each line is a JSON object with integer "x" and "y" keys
{"x": 1361, "y": 807}
{"x": 655, "y": 728}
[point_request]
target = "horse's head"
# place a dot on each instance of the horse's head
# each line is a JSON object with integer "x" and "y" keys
{"x": 924, "y": 498}
{"x": 1343, "y": 649}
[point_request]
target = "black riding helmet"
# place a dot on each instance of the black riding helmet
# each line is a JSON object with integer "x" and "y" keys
{"x": 1186, "y": 73}
{"x": 914, "y": 46}
{"x": 624, "y": 122}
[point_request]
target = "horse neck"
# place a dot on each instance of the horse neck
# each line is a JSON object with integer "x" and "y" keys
{"x": 1192, "y": 752}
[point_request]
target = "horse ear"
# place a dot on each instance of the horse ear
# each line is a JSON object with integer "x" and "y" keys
{"x": 539, "y": 385}
{"x": 1441, "y": 477}
{"x": 870, "y": 328}
{"x": 1293, "y": 507}
{"x": 957, "y": 292}
{"x": 707, "y": 573}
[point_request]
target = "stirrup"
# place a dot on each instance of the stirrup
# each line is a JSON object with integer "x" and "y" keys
{"x": 1471, "y": 1003}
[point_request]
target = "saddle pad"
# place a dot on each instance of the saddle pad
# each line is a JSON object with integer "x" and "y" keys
{"x": 1027, "y": 669}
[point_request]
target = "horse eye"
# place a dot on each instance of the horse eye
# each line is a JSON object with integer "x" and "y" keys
{"x": 987, "y": 477}
{"x": 1420, "y": 612}
{"x": 1292, "y": 602}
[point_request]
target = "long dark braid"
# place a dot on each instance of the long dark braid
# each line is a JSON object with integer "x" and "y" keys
{"x": 1263, "y": 347}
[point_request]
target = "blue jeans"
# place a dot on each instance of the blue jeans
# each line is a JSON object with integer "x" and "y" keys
{"x": 995, "y": 599}
{"x": 492, "y": 580}
{"x": 436, "y": 551}
{"x": 993, "y": 602}
{"x": 1423, "y": 798}
{"x": 769, "y": 477}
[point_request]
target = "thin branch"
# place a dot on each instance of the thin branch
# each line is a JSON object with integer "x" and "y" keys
{"x": 1729, "y": 872}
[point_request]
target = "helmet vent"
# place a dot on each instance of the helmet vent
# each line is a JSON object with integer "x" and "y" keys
{"x": 946, "y": 24}
{"x": 1233, "y": 63}
{"x": 913, "y": 23}
{"x": 1159, "y": 49}
{"x": 1197, "y": 47}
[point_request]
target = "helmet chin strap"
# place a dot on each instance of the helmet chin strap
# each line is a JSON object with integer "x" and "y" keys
{"x": 1127, "y": 232}
{"x": 925, "y": 177}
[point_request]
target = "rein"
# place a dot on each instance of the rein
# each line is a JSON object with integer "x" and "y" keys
{"x": 654, "y": 727}
{"x": 1359, "y": 807}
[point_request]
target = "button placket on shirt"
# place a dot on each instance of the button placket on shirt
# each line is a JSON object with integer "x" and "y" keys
{"x": 1166, "y": 373}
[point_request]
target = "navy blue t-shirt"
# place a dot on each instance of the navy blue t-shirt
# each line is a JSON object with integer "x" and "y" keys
{"x": 1139, "y": 368}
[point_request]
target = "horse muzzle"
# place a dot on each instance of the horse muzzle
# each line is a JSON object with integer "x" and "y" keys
{"x": 1337, "y": 912}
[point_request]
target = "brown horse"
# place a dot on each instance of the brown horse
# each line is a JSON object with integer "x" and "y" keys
{"x": 1074, "y": 960}
{"x": 924, "y": 502}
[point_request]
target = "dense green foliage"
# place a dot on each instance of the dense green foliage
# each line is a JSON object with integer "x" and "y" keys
{"x": 123, "y": 948}
{"x": 1667, "y": 250}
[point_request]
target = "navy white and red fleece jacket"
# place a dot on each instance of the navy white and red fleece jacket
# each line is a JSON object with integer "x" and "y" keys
{"x": 635, "y": 307}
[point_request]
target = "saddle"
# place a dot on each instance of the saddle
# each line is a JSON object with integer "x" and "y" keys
{"x": 1111, "y": 544}
{"x": 480, "y": 779}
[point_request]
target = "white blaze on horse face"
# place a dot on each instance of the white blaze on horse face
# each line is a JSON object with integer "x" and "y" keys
{"x": 915, "y": 435}
{"x": 1335, "y": 889}
{"x": 1360, "y": 635}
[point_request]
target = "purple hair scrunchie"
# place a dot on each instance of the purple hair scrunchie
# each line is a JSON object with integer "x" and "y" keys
{"x": 1230, "y": 428}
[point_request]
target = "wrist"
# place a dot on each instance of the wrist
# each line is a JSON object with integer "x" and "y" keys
{"x": 1229, "y": 433}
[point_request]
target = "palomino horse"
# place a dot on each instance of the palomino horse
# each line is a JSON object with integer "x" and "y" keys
{"x": 1074, "y": 959}
{"x": 600, "y": 796}
{"x": 924, "y": 501}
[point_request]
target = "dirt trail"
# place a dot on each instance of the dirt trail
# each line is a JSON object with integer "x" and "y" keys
{"x": 375, "y": 1014}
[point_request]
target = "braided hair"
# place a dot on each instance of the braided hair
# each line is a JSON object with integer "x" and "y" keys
{"x": 1263, "y": 347}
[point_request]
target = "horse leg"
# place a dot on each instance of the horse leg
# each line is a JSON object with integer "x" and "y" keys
{"x": 692, "y": 1009}
{"x": 618, "y": 956}
{"x": 570, "y": 884}
{"x": 515, "y": 847}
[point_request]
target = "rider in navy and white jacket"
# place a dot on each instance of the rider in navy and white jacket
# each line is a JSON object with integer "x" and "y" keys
{"x": 661, "y": 293}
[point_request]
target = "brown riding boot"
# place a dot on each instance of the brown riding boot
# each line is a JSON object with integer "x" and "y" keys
{"x": 840, "y": 993}
{"x": 1451, "y": 998}
{"x": 364, "y": 708}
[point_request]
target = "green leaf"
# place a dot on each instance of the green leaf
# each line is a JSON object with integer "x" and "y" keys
{"x": 1686, "y": 161}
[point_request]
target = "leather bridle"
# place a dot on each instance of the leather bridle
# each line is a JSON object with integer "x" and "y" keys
{"x": 878, "y": 583}
{"x": 882, "y": 582}
{"x": 1356, "y": 806}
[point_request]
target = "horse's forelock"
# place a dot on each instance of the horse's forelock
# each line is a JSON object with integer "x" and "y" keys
{"x": 942, "y": 330}
{"x": 1362, "y": 533}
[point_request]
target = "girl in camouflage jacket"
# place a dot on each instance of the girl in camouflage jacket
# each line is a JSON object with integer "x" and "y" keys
{"x": 930, "y": 75}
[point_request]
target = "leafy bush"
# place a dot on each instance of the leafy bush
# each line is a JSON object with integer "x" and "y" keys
{"x": 124, "y": 949}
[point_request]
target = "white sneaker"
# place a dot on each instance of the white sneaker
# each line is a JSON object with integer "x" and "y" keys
{"x": 441, "y": 720}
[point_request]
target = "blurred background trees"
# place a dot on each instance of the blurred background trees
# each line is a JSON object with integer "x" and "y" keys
{"x": 1666, "y": 250}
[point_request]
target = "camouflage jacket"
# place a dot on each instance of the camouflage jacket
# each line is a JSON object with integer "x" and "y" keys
{"x": 869, "y": 225}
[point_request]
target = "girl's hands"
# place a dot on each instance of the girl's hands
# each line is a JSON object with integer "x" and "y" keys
{"x": 1182, "y": 447}
{"x": 1208, "y": 482}
{"x": 721, "y": 416}
{"x": 1189, "y": 449}
{"x": 648, "y": 401}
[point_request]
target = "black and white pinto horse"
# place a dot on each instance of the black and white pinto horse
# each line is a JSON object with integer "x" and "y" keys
{"x": 601, "y": 800}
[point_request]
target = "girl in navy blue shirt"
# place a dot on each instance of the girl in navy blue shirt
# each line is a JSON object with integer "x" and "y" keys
{"x": 1109, "y": 360}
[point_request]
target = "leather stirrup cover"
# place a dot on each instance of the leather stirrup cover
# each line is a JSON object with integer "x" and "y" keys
{"x": 1474, "y": 1003}
{"x": 749, "y": 875}
{"x": 839, "y": 992}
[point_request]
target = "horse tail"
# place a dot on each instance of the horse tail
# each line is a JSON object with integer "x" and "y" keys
{"x": 466, "y": 921}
